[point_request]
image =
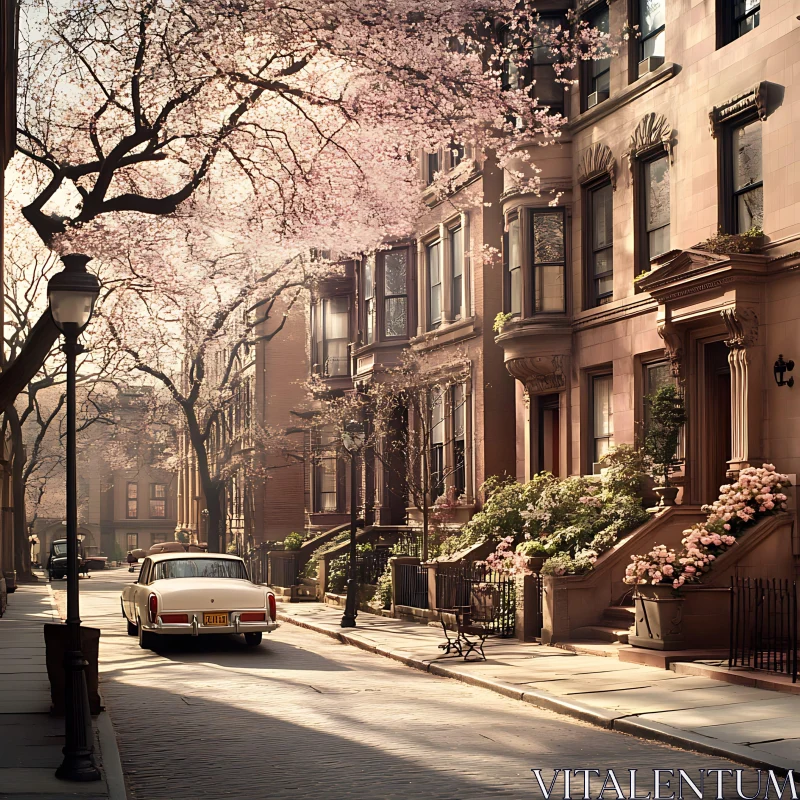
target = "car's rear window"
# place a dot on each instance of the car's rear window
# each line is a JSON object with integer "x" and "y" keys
{"x": 199, "y": 568}
{"x": 60, "y": 548}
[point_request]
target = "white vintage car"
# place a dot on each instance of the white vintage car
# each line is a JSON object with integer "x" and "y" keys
{"x": 195, "y": 594}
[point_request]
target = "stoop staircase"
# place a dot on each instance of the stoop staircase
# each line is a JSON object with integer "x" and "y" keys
{"x": 614, "y": 626}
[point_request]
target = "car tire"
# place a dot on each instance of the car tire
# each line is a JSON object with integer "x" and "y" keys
{"x": 253, "y": 639}
{"x": 147, "y": 640}
{"x": 50, "y": 576}
{"x": 133, "y": 628}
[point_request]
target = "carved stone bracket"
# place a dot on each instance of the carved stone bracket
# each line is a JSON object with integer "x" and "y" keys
{"x": 538, "y": 373}
{"x": 597, "y": 160}
{"x": 673, "y": 345}
{"x": 742, "y": 325}
{"x": 754, "y": 99}
{"x": 652, "y": 131}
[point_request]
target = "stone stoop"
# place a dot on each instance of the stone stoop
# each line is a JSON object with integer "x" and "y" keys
{"x": 614, "y": 627}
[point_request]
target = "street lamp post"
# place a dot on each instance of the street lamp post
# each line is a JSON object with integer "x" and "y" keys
{"x": 72, "y": 294}
{"x": 353, "y": 441}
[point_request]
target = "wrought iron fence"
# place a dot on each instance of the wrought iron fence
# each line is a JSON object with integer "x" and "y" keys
{"x": 370, "y": 565}
{"x": 409, "y": 543}
{"x": 459, "y": 583}
{"x": 283, "y": 568}
{"x": 411, "y": 585}
{"x": 257, "y": 561}
{"x": 764, "y": 625}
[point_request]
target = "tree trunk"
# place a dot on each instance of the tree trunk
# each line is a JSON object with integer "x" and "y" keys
{"x": 211, "y": 486}
{"x": 22, "y": 548}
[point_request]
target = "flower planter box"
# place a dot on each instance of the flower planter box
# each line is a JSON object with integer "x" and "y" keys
{"x": 658, "y": 617}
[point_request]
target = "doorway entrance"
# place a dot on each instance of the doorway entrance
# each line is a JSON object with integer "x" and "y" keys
{"x": 716, "y": 439}
{"x": 549, "y": 443}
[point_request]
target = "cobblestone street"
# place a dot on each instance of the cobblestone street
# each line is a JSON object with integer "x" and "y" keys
{"x": 303, "y": 716}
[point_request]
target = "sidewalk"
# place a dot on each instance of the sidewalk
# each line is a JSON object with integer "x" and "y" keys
{"x": 746, "y": 724}
{"x": 31, "y": 739}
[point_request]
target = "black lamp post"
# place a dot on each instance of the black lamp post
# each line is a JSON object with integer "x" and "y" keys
{"x": 72, "y": 294}
{"x": 353, "y": 441}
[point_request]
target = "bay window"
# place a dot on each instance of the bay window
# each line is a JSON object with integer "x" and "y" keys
{"x": 513, "y": 259}
{"x": 457, "y": 271}
{"x": 434, "y": 270}
{"x": 331, "y": 336}
{"x": 548, "y": 260}
{"x": 395, "y": 293}
{"x": 369, "y": 300}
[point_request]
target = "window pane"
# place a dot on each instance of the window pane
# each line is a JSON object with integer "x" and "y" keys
{"x": 651, "y": 13}
{"x": 437, "y": 418}
{"x": 602, "y": 266}
{"x": 133, "y": 489}
{"x": 458, "y": 291}
{"x": 602, "y": 229}
{"x": 369, "y": 277}
{"x": 336, "y": 362}
{"x": 750, "y": 209}
{"x": 369, "y": 321}
{"x": 458, "y": 411}
{"x": 658, "y": 375}
{"x": 336, "y": 318}
{"x": 514, "y": 268}
{"x": 602, "y": 405}
{"x": 394, "y": 272}
{"x": 159, "y": 490}
{"x": 515, "y": 290}
{"x": 433, "y": 166}
{"x": 436, "y": 304}
{"x": 512, "y": 78}
{"x": 657, "y": 187}
{"x": 654, "y": 46}
{"x": 434, "y": 285}
{"x": 549, "y": 288}
{"x": 133, "y": 541}
{"x": 548, "y": 237}
{"x": 658, "y": 241}
{"x": 747, "y": 153}
{"x": 132, "y": 509}
{"x": 433, "y": 264}
{"x": 158, "y": 509}
{"x": 457, "y": 250}
{"x": 395, "y": 316}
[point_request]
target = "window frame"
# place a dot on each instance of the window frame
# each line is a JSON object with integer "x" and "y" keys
{"x": 155, "y": 499}
{"x": 640, "y": 40}
{"x": 433, "y": 164}
{"x": 603, "y": 374}
{"x": 322, "y": 358}
{"x": 132, "y": 498}
{"x": 586, "y": 78}
{"x": 459, "y": 468}
{"x": 532, "y": 213}
{"x": 381, "y": 272}
{"x": 728, "y": 195}
{"x": 728, "y": 24}
{"x": 369, "y": 301}
{"x": 128, "y": 541}
{"x": 437, "y": 467}
{"x": 590, "y": 252}
{"x": 457, "y": 296}
{"x": 513, "y": 219}
{"x": 431, "y": 323}
{"x": 642, "y": 255}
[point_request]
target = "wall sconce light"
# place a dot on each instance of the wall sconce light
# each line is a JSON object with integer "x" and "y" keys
{"x": 781, "y": 368}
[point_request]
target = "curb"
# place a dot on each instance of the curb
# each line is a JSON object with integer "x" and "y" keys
{"x": 620, "y": 723}
{"x": 112, "y": 764}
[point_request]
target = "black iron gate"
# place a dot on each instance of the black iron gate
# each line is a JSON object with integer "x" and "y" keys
{"x": 764, "y": 625}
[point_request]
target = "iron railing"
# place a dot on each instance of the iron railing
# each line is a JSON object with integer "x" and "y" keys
{"x": 411, "y": 585}
{"x": 409, "y": 543}
{"x": 370, "y": 565}
{"x": 763, "y": 631}
{"x": 257, "y": 561}
{"x": 458, "y": 584}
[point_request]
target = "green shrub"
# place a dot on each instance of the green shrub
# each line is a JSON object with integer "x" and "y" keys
{"x": 339, "y": 568}
{"x": 293, "y": 541}
{"x": 383, "y": 594}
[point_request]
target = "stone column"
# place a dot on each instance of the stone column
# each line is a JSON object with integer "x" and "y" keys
{"x": 746, "y": 359}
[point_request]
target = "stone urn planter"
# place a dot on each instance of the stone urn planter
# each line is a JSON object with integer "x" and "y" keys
{"x": 659, "y": 618}
{"x": 534, "y": 563}
{"x": 667, "y": 495}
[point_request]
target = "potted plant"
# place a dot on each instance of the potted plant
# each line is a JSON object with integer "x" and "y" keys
{"x": 658, "y": 611}
{"x": 667, "y": 417}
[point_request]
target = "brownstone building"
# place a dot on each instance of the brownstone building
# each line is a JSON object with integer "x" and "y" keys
{"x": 625, "y": 283}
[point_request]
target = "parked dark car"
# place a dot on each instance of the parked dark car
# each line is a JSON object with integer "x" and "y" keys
{"x": 57, "y": 560}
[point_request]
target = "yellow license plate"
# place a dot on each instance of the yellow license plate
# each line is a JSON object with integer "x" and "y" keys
{"x": 215, "y": 619}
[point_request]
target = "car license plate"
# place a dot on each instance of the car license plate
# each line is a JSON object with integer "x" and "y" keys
{"x": 215, "y": 619}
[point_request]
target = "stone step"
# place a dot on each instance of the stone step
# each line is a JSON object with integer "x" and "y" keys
{"x": 603, "y": 633}
{"x": 619, "y": 615}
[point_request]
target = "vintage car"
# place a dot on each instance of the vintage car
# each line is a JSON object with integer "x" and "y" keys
{"x": 196, "y": 594}
{"x": 57, "y": 560}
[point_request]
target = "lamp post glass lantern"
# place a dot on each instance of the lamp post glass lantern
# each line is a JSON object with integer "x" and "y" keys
{"x": 72, "y": 294}
{"x": 353, "y": 440}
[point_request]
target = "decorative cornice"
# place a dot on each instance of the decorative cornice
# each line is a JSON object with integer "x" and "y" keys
{"x": 597, "y": 160}
{"x": 603, "y": 315}
{"x": 653, "y": 131}
{"x": 644, "y": 84}
{"x": 754, "y": 99}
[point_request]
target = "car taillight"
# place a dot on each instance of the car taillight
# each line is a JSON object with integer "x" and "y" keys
{"x": 152, "y": 607}
{"x": 273, "y": 608}
{"x": 167, "y": 618}
{"x": 252, "y": 616}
